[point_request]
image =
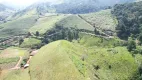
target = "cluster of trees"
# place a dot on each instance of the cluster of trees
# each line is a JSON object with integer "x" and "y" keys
{"x": 129, "y": 18}
{"x": 131, "y": 45}
{"x": 59, "y": 33}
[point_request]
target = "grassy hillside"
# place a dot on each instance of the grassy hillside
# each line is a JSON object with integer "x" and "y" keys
{"x": 112, "y": 64}
{"x": 92, "y": 63}
{"x": 102, "y": 20}
{"x": 15, "y": 75}
{"x": 91, "y": 41}
{"x": 75, "y": 22}
{"x": 54, "y": 63}
{"x": 62, "y": 60}
{"x": 46, "y": 23}
{"x": 17, "y": 27}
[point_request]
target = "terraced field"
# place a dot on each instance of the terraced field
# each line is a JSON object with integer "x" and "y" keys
{"x": 75, "y": 22}
{"x": 102, "y": 20}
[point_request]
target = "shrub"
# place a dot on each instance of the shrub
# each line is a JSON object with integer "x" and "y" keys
{"x": 131, "y": 45}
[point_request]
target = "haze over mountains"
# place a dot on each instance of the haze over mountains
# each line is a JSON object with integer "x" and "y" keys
{"x": 66, "y": 6}
{"x": 20, "y": 5}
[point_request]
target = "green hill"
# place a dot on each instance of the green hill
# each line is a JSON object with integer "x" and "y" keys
{"x": 87, "y": 55}
{"x": 102, "y": 20}
{"x": 46, "y": 23}
{"x": 54, "y": 63}
{"x": 75, "y": 21}
{"x": 17, "y": 27}
{"x": 63, "y": 60}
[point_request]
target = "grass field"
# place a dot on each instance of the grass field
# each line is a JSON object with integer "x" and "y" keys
{"x": 15, "y": 75}
{"x": 102, "y": 20}
{"x": 10, "y": 56}
{"x": 13, "y": 52}
{"x": 90, "y": 41}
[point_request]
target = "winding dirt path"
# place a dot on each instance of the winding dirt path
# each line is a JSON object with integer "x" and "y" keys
{"x": 18, "y": 64}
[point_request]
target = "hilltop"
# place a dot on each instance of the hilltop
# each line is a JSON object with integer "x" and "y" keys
{"x": 61, "y": 60}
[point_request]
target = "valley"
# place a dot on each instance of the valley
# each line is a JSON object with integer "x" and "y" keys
{"x": 54, "y": 42}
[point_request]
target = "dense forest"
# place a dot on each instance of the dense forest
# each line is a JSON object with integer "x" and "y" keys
{"x": 130, "y": 19}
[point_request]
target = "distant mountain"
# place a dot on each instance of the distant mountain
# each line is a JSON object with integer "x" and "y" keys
{"x": 86, "y": 6}
{"x": 77, "y": 6}
{"x": 36, "y": 9}
{"x": 71, "y": 6}
{"x": 5, "y": 12}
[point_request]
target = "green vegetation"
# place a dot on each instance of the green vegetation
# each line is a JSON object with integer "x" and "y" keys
{"x": 10, "y": 56}
{"x": 16, "y": 75}
{"x": 75, "y": 21}
{"x": 74, "y": 47}
{"x": 17, "y": 27}
{"x": 30, "y": 43}
{"x": 13, "y": 52}
{"x": 53, "y": 63}
{"x": 102, "y": 20}
{"x": 8, "y": 60}
{"x": 129, "y": 19}
{"x": 92, "y": 63}
{"x": 46, "y": 23}
{"x": 131, "y": 45}
{"x": 90, "y": 41}
{"x": 60, "y": 33}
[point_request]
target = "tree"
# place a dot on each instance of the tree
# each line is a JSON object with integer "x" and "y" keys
{"x": 29, "y": 34}
{"x": 131, "y": 45}
{"x": 21, "y": 41}
{"x": 140, "y": 38}
{"x": 37, "y": 33}
{"x": 70, "y": 36}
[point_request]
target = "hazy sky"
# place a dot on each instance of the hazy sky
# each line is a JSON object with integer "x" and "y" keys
{"x": 24, "y": 3}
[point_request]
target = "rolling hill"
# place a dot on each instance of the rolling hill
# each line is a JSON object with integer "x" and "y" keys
{"x": 61, "y": 60}
{"x": 71, "y": 45}
{"x": 102, "y": 20}
{"x": 17, "y": 27}
{"x": 46, "y": 23}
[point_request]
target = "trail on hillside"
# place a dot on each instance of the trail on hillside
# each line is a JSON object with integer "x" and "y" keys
{"x": 18, "y": 63}
{"x": 107, "y": 36}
